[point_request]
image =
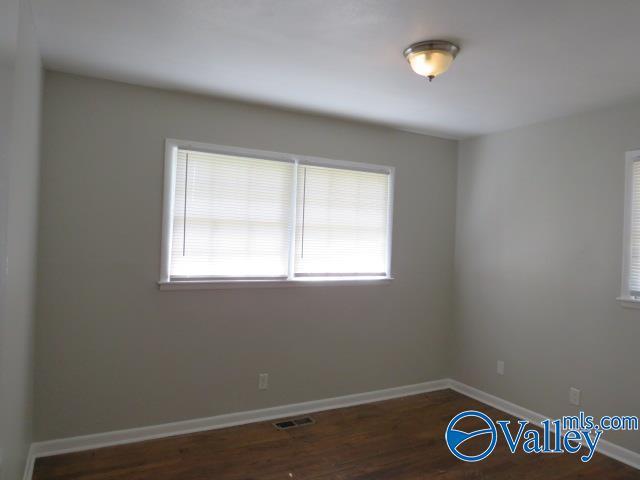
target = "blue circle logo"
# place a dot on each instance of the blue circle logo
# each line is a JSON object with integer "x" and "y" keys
{"x": 455, "y": 438}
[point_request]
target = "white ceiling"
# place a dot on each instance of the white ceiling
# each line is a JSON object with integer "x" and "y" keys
{"x": 521, "y": 61}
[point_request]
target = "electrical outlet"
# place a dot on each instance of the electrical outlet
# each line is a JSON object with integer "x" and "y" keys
{"x": 500, "y": 368}
{"x": 574, "y": 396}
{"x": 263, "y": 381}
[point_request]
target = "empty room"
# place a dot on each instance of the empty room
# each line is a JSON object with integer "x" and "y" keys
{"x": 319, "y": 239}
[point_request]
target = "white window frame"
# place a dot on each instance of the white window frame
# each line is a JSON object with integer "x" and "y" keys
{"x": 170, "y": 162}
{"x": 625, "y": 298}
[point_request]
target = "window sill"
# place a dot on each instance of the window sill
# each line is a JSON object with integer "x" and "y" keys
{"x": 629, "y": 302}
{"x": 233, "y": 284}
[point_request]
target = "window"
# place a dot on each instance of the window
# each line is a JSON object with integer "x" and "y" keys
{"x": 631, "y": 262}
{"x": 234, "y": 214}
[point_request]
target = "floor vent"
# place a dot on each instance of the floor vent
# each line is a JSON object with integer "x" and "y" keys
{"x": 296, "y": 422}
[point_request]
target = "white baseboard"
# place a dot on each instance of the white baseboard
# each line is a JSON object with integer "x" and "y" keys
{"x": 497, "y": 402}
{"x": 28, "y": 469}
{"x": 88, "y": 442}
{"x": 604, "y": 446}
{"x": 120, "y": 437}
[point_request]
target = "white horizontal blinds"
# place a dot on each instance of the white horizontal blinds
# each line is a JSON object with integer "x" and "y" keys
{"x": 634, "y": 270}
{"x": 341, "y": 222}
{"x": 231, "y": 216}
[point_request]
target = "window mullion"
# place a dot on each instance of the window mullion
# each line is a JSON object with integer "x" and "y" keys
{"x": 292, "y": 222}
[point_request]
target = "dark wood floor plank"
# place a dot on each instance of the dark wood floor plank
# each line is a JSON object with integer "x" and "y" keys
{"x": 395, "y": 439}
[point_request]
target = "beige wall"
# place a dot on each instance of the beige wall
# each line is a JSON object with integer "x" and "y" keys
{"x": 113, "y": 352}
{"x": 538, "y": 266}
{"x": 20, "y": 88}
{"x": 537, "y": 269}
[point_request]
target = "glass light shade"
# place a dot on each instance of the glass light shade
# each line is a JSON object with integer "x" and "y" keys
{"x": 430, "y": 63}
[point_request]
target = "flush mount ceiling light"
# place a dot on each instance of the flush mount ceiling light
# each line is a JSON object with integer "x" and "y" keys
{"x": 431, "y": 58}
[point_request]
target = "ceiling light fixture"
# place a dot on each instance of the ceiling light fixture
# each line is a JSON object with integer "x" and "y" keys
{"x": 431, "y": 58}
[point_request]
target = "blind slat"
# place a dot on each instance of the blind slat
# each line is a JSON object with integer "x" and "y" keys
{"x": 634, "y": 268}
{"x": 342, "y": 222}
{"x": 231, "y": 216}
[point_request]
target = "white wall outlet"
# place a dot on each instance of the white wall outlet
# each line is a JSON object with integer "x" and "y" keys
{"x": 574, "y": 396}
{"x": 500, "y": 367}
{"x": 263, "y": 381}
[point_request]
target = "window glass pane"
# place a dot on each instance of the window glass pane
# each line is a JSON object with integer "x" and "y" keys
{"x": 231, "y": 216}
{"x": 341, "y": 222}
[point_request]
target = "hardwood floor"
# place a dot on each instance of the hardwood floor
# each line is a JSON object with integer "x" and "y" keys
{"x": 395, "y": 439}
